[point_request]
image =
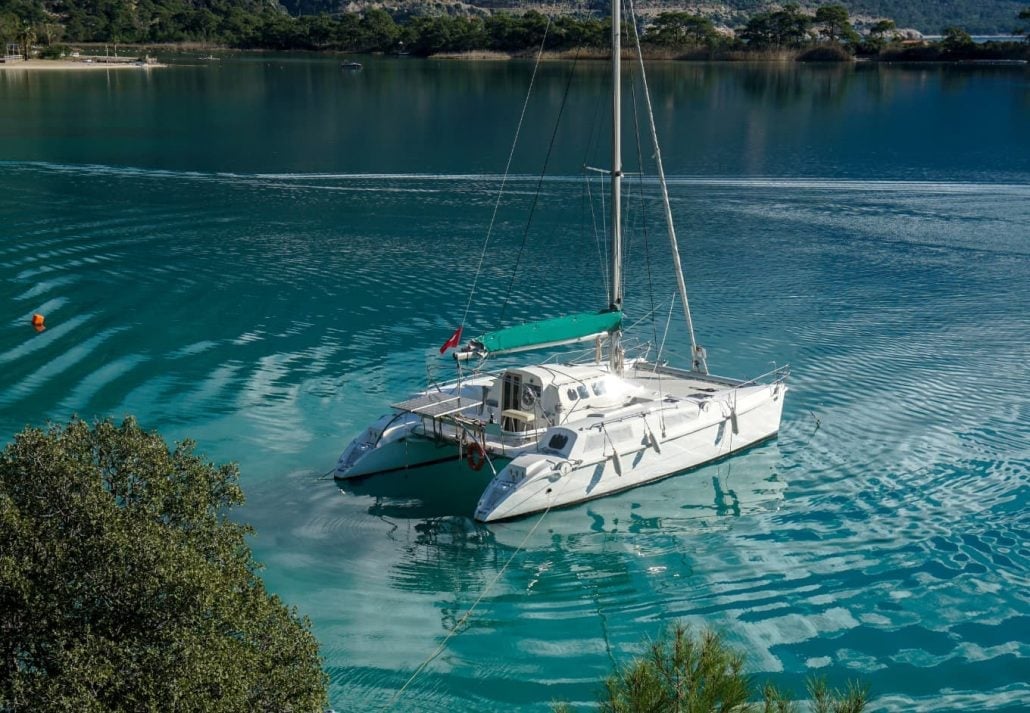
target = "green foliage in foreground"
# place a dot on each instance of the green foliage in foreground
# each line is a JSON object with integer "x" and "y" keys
{"x": 684, "y": 673}
{"x": 124, "y": 586}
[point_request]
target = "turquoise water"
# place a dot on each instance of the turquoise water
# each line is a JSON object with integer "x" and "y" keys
{"x": 262, "y": 253}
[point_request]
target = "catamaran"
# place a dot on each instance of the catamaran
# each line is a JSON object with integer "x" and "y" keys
{"x": 556, "y": 434}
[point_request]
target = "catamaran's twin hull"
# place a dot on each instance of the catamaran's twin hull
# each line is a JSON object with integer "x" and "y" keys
{"x": 405, "y": 439}
{"x": 534, "y": 482}
{"x": 410, "y": 452}
{"x": 700, "y": 419}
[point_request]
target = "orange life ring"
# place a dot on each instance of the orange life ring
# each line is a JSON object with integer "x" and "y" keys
{"x": 474, "y": 456}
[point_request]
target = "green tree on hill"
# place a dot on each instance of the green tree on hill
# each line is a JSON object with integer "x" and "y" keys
{"x": 836, "y": 24}
{"x": 446, "y": 33}
{"x": 26, "y": 37}
{"x": 787, "y": 27}
{"x": 125, "y": 587}
{"x": 1024, "y": 14}
{"x": 508, "y": 32}
{"x": 681, "y": 29}
{"x": 880, "y": 28}
{"x": 378, "y": 30}
{"x": 955, "y": 39}
{"x": 568, "y": 32}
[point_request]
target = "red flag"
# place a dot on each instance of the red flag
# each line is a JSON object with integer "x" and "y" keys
{"x": 452, "y": 342}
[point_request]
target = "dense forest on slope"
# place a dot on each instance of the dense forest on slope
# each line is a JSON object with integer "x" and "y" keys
{"x": 985, "y": 17}
{"x": 926, "y": 16}
{"x": 265, "y": 24}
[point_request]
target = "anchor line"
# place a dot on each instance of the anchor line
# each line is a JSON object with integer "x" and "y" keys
{"x": 468, "y": 614}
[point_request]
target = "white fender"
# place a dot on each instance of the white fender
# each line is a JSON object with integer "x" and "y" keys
{"x": 651, "y": 436}
{"x": 616, "y": 459}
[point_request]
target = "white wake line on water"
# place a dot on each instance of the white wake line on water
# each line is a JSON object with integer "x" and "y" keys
{"x": 761, "y": 182}
{"x": 808, "y": 183}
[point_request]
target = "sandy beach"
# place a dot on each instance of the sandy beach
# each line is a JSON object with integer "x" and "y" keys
{"x": 70, "y": 64}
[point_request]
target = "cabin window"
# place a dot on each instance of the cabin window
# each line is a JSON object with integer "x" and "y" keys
{"x": 598, "y": 387}
{"x": 572, "y": 395}
{"x": 558, "y": 441}
{"x": 511, "y": 385}
{"x": 582, "y": 390}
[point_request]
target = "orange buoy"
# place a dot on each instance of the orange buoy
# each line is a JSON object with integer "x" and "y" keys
{"x": 37, "y": 322}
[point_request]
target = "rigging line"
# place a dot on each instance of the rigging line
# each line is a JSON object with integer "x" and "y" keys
{"x": 643, "y": 218}
{"x": 643, "y": 208}
{"x": 645, "y": 316}
{"x": 540, "y": 182}
{"x": 504, "y": 180}
{"x": 658, "y": 359}
{"x": 465, "y": 617}
{"x": 602, "y": 253}
{"x": 668, "y": 321}
{"x": 698, "y": 360}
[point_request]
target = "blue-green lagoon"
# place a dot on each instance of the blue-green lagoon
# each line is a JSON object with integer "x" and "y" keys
{"x": 262, "y": 253}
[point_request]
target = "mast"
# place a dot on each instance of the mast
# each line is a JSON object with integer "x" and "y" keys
{"x": 616, "y": 338}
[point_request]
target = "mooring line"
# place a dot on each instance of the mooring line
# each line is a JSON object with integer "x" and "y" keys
{"x": 465, "y": 617}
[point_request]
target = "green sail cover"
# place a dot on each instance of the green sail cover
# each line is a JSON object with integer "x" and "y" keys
{"x": 550, "y": 331}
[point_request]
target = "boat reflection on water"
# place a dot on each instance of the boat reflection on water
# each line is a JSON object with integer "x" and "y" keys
{"x": 704, "y": 500}
{"x": 428, "y": 492}
{"x": 439, "y": 549}
{"x": 443, "y": 496}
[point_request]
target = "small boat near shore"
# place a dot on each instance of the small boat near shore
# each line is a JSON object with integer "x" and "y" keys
{"x": 352, "y": 66}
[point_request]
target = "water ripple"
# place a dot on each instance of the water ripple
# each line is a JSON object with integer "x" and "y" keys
{"x": 272, "y": 315}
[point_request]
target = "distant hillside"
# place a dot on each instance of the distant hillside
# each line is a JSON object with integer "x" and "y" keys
{"x": 927, "y": 16}
{"x": 978, "y": 17}
{"x": 130, "y": 20}
{"x": 439, "y": 26}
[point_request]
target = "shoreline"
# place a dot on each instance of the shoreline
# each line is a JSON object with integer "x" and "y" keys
{"x": 921, "y": 55}
{"x": 49, "y": 65}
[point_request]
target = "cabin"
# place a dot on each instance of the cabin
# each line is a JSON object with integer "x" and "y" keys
{"x": 537, "y": 397}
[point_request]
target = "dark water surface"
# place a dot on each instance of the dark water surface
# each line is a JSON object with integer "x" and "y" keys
{"x": 261, "y": 253}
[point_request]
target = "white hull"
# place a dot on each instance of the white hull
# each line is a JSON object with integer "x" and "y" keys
{"x": 540, "y": 481}
{"x": 599, "y": 433}
{"x": 408, "y": 452}
{"x": 401, "y": 440}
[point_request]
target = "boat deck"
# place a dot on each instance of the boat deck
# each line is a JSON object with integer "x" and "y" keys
{"x": 459, "y": 418}
{"x": 676, "y": 382}
{"x": 450, "y": 417}
{"x": 437, "y": 405}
